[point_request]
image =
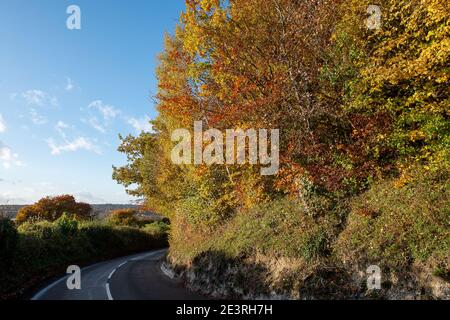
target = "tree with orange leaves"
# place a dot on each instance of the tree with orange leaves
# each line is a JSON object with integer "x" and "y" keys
{"x": 52, "y": 208}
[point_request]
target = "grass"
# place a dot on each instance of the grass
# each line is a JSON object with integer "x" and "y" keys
{"x": 280, "y": 228}
{"x": 408, "y": 224}
{"x": 397, "y": 226}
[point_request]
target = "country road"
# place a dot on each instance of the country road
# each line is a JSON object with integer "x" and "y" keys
{"x": 136, "y": 277}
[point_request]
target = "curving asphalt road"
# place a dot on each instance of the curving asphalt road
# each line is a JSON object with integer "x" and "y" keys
{"x": 136, "y": 277}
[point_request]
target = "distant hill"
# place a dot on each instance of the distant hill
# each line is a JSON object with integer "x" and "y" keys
{"x": 10, "y": 211}
{"x": 100, "y": 210}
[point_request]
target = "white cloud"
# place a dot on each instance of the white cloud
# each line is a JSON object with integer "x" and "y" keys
{"x": 94, "y": 123}
{"x": 5, "y": 153}
{"x": 141, "y": 124}
{"x": 97, "y": 109}
{"x": 34, "y": 97}
{"x": 70, "y": 84}
{"x": 88, "y": 198}
{"x": 36, "y": 118}
{"x": 61, "y": 126}
{"x": 8, "y": 158}
{"x": 39, "y": 98}
{"x": 79, "y": 143}
{"x": 108, "y": 112}
{"x": 2, "y": 124}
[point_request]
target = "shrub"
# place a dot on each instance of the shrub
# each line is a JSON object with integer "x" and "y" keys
{"x": 123, "y": 217}
{"x": 157, "y": 229}
{"x": 101, "y": 236}
{"x": 315, "y": 246}
{"x": 39, "y": 229}
{"x": 67, "y": 225}
{"x": 8, "y": 240}
{"x": 52, "y": 208}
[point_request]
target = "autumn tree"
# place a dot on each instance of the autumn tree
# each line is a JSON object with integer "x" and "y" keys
{"x": 52, "y": 208}
{"x": 352, "y": 104}
{"x": 240, "y": 64}
{"x": 124, "y": 217}
{"x": 402, "y": 74}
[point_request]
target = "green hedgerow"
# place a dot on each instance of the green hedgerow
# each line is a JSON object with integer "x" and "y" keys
{"x": 67, "y": 225}
{"x": 8, "y": 240}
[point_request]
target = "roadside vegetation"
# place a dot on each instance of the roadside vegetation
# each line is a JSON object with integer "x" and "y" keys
{"x": 364, "y": 151}
{"x": 282, "y": 249}
{"x": 49, "y": 240}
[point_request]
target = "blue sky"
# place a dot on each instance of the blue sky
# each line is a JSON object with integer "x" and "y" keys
{"x": 65, "y": 95}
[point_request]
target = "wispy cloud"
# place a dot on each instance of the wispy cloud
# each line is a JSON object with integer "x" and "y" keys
{"x": 39, "y": 98}
{"x": 61, "y": 126}
{"x": 79, "y": 143}
{"x": 95, "y": 123}
{"x": 100, "y": 115}
{"x": 34, "y": 97}
{"x": 107, "y": 111}
{"x": 141, "y": 124}
{"x": 70, "y": 85}
{"x": 2, "y": 124}
{"x": 36, "y": 118}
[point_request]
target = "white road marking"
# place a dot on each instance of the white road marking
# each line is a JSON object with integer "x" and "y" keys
{"x": 111, "y": 274}
{"x": 108, "y": 292}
